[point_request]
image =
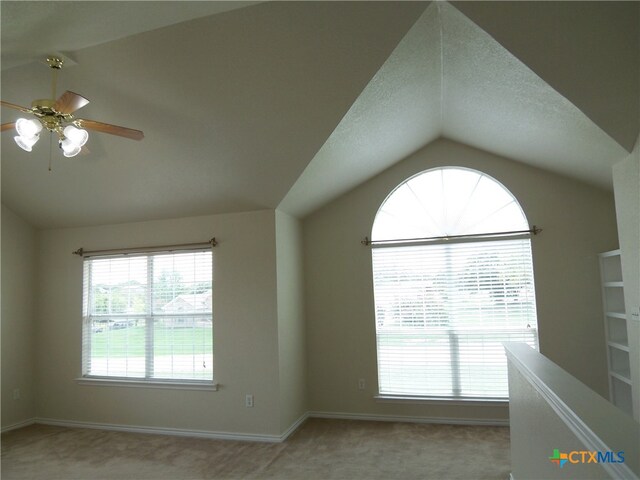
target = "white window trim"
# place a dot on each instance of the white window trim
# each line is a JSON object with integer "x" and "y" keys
{"x": 419, "y": 400}
{"x": 126, "y": 382}
{"x": 142, "y": 382}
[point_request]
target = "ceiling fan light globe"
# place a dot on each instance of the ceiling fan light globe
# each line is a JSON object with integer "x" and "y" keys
{"x": 26, "y": 143}
{"x": 77, "y": 135}
{"x": 69, "y": 148}
{"x": 27, "y": 128}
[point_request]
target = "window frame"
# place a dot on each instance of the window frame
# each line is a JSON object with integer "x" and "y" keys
{"x": 149, "y": 317}
{"x": 385, "y": 397}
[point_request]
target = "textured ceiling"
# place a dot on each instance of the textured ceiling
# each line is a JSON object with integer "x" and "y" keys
{"x": 291, "y": 104}
{"x": 588, "y": 51}
{"x": 233, "y": 107}
{"x": 448, "y": 77}
{"x": 397, "y": 113}
{"x": 33, "y": 30}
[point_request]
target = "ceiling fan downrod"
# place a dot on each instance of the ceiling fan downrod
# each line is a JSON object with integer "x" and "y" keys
{"x": 55, "y": 63}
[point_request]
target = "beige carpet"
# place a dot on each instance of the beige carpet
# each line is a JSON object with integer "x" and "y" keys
{"x": 320, "y": 449}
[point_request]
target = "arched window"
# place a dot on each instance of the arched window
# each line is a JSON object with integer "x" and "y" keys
{"x": 453, "y": 279}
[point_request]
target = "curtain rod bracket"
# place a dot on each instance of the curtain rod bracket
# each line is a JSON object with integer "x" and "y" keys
{"x": 366, "y": 242}
{"x": 79, "y": 252}
{"x": 213, "y": 241}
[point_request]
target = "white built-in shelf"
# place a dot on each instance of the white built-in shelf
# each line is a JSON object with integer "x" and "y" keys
{"x": 622, "y": 376}
{"x": 619, "y": 346}
{"x": 611, "y": 266}
{"x": 616, "y": 332}
{"x": 621, "y": 394}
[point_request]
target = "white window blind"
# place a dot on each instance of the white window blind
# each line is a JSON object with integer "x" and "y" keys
{"x": 148, "y": 317}
{"x": 443, "y": 311}
{"x": 443, "y": 308}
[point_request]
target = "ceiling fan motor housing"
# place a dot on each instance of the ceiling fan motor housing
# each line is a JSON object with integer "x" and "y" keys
{"x": 50, "y": 118}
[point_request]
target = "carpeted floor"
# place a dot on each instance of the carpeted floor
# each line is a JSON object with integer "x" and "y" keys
{"x": 321, "y": 449}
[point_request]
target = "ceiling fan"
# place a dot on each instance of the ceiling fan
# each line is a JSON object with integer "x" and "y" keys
{"x": 57, "y": 117}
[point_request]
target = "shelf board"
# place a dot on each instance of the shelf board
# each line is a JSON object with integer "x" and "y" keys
{"x": 622, "y": 376}
{"x": 618, "y": 345}
{"x": 621, "y": 315}
{"x": 615, "y": 284}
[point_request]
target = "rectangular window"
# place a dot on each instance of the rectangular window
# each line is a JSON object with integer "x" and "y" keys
{"x": 443, "y": 311}
{"x": 148, "y": 317}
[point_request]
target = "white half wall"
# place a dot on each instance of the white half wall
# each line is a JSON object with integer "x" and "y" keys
{"x": 551, "y": 410}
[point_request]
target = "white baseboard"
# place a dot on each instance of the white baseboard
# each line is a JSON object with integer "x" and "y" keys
{"x": 251, "y": 437}
{"x": 395, "y": 418}
{"x": 294, "y": 426}
{"x": 254, "y": 437}
{"x": 14, "y": 426}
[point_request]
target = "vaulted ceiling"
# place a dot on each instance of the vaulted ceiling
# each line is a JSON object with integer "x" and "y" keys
{"x": 249, "y": 105}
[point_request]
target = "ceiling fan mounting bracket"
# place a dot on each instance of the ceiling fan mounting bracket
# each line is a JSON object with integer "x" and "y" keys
{"x": 55, "y": 62}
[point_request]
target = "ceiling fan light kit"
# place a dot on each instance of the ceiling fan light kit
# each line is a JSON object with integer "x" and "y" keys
{"x": 57, "y": 117}
{"x": 28, "y": 133}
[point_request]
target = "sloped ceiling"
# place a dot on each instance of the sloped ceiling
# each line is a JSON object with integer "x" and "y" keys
{"x": 75, "y": 25}
{"x": 587, "y": 51}
{"x": 291, "y": 104}
{"x": 449, "y": 77}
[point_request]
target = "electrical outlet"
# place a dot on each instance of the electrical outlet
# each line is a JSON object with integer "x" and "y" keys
{"x": 248, "y": 401}
{"x": 16, "y": 394}
{"x": 361, "y": 384}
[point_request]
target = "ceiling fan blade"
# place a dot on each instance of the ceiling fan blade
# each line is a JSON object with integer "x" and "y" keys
{"x": 69, "y": 102}
{"x": 14, "y": 106}
{"x": 112, "y": 129}
{"x": 7, "y": 126}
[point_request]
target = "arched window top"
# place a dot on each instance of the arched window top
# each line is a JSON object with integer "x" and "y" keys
{"x": 445, "y": 202}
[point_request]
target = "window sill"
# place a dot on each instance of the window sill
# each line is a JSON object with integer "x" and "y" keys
{"x": 407, "y": 399}
{"x": 122, "y": 382}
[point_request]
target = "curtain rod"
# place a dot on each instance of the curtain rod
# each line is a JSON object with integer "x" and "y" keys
{"x": 158, "y": 248}
{"x": 534, "y": 229}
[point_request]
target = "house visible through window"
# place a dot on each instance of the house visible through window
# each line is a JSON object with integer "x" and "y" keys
{"x": 148, "y": 317}
{"x": 450, "y": 286}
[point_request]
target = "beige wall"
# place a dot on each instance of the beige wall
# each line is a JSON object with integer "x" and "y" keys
{"x": 263, "y": 344}
{"x": 578, "y": 222}
{"x": 245, "y": 328}
{"x": 626, "y": 181}
{"x": 291, "y": 326}
{"x": 18, "y": 319}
